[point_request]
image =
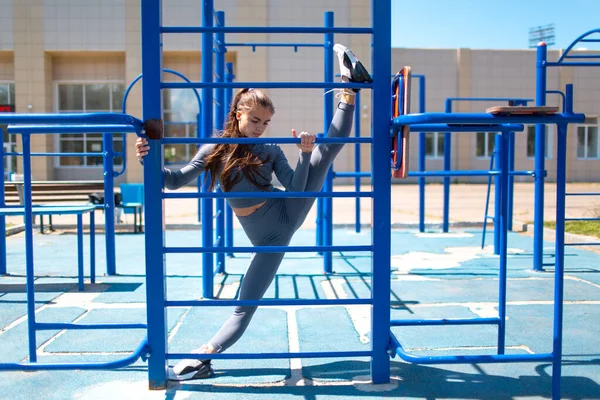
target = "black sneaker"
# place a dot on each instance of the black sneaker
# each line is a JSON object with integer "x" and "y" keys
{"x": 351, "y": 69}
{"x": 187, "y": 370}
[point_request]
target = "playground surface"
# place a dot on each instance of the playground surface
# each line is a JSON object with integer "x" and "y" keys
{"x": 435, "y": 275}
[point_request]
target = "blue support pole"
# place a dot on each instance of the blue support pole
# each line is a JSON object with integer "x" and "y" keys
{"x": 357, "y": 160}
{"x": 207, "y": 125}
{"x": 540, "y": 146}
{"x": 220, "y": 120}
{"x": 29, "y": 279}
{"x": 319, "y": 220}
{"x": 500, "y": 150}
{"x": 447, "y": 167}
{"x": 422, "y": 159}
{"x": 228, "y": 211}
{"x": 2, "y": 220}
{"x": 327, "y": 234}
{"x": 199, "y": 181}
{"x": 80, "y": 252}
{"x": 502, "y": 147}
{"x": 153, "y": 196}
{"x": 381, "y": 11}
{"x": 109, "y": 205}
{"x": 511, "y": 179}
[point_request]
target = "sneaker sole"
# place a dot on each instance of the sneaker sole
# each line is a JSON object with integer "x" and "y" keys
{"x": 203, "y": 373}
{"x": 358, "y": 72}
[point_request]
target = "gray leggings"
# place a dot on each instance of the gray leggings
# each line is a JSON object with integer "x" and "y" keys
{"x": 274, "y": 224}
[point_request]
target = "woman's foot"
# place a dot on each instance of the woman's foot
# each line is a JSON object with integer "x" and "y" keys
{"x": 188, "y": 369}
{"x": 351, "y": 69}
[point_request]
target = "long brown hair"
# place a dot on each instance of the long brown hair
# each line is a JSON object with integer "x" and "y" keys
{"x": 233, "y": 158}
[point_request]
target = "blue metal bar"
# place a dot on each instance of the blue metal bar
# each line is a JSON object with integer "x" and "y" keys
{"x": 583, "y": 194}
{"x": 381, "y": 235}
{"x": 220, "y": 121}
{"x": 264, "y": 85}
{"x": 484, "y": 119}
{"x": 573, "y": 64}
{"x": 254, "y": 45}
{"x": 206, "y": 28}
{"x": 262, "y": 195}
{"x": 151, "y": 18}
{"x": 109, "y": 205}
{"x": 581, "y": 38}
{"x": 207, "y": 126}
{"x": 561, "y": 173}
{"x": 540, "y": 155}
{"x": 49, "y": 326}
{"x": 438, "y": 173}
{"x": 265, "y": 303}
{"x": 65, "y": 154}
{"x": 503, "y": 242}
{"x": 319, "y": 220}
{"x": 355, "y": 175}
{"x": 99, "y": 128}
{"x": 356, "y": 162}
{"x": 583, "y": 244}
{"x": 256, "y": 356}
{"x": 2, "y": 218}
{"x": 422, "y": 156}
{"x": 446, "y": 179}
{"x": 507, "y": 99}
{"x": 92, "y": 248}
{"x": 487, "y": 201}
{"x": 498, "y": 192}
{"x": 264, "y": 249}
{"x": 29, "y": 279}
{"x": 71, "y": 118}
{"x": 582, "y": 219}
{"x": 327, "y": 203}
{"x": 445, "y": 321}
{"x": 142, "y": 349}
{"x": 511, "y": 179}
{"x": 80, "y": 252}
{"x": 228, "y": 211}
{"x": 562, "y": 95}
{"x": 278, "y": 140}
{"x": 455, "y": 128}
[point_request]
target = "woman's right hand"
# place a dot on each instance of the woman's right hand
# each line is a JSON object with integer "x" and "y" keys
{"x": 141, "y": 148}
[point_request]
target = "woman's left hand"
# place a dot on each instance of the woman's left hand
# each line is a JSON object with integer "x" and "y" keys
{"x": 307, "y": 141}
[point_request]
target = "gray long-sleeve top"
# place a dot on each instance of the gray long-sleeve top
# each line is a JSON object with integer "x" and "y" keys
{"x": 274, "y": 161}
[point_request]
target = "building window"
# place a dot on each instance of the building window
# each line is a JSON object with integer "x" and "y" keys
{"x": 484, "y": 144}
{"x": 587, "y": 139}
{"x": 180, "y": 114}
{"x": 87, "y": 97}
{"x": 434, "y": 144}
{"x": 531, "y": 141}
{"x": 7, "y": 98}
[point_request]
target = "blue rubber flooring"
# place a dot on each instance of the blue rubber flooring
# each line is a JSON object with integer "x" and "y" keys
{"x": 441, "y": 276}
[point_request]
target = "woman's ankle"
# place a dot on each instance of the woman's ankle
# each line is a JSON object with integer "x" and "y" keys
{"x": 347, "y": 96}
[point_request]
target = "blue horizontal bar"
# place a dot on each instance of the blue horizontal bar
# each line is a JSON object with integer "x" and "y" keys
{"x": 521, "y": 173}
{"x": 59, "y": 326}
{"x": 242, "y": 356}
{"x": 583, "y": 244}
{"x": 273, "y": 45}
{"x": 351, "y": 174}
{"x": 263, "y": 29}
{"x": 573, "y": 64}
{"x": 588, "y": 56}
{"x": 271, "y": 302}
{"x": 82, "y": 366}
{"x": 278, "y": 140}
{"x": 263, "y": 195}
{"x": 583, "y": 194}
{"x": 467, "y": 128}
{"x": 484, "y": 118}
{"x": 58, "y": 154}
{"x": 484, "y": 173}
{"x": 487, "y": 99}
{"x": 70, "y": 118}
{"x": 264, "y": 249}
{"x": 444, "y": 321}
{"x": 454, "y": 173}
{"x": 264, "y": 85}
{"x": 99, "y": 128}
{"x": 582, "y": 219}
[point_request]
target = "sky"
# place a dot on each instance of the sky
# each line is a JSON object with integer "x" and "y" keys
{"x": 490, "y": 24}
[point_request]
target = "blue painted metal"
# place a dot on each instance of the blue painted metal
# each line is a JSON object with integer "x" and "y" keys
{"x": 255, "y": 45}
{"x": 154, "y": 204}
{"x": 422, "y": 159}
{"x": 487, "y": 201}
{"x": 259, "y": 356}
{"x": 327, "y": 202}
{"x": 503, "y": 238}
{"x": 206, "y": 131}
{"x": 267, "y": 302}
{"x": 263, "y": 195}
{"x": 264, "y": 85}
{"x": 580, "y": 39}
{"x": 446, "y": 180}
{"x": 229, "y": 77}
{"x": 79, "y": 128}
{"x": 511, "y": 179}
{"x": 109, "y": 205}
{"x": 356, "y": 162}
{"x": 319, "y": 220}
{"x": 500, "y": 150}
{"x": 92, "y": 248}
{"x": 220, "y": 121}
{"x": 2, "y": 218}
{"x": 266, "y": 249}
{"x": 381, "y": 236}
{"x": 279, "y": 140}
{"x": 445, "y": 321}
{"x": 483, "y": 119}
{"x": 263, "y": 29}
{"x": 94, "y": 119}
{"x": 80, "y": 252}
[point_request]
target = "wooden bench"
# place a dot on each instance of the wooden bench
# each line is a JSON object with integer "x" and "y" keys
{"x": 66, "y": 192}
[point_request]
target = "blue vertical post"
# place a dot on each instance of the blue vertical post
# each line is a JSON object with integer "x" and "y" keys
{"x": 381, "y": 11}
{"x": 511, "y": 179}
{"x": 207, "y": 124}
{"x": 29, "y": 278}
{"x": 220, "y": 119}
{"x": 153, "y": 196}
{"x": 109, "y": 204}
{"x": 92, "y": 247}
{"x": 228, "y": 211}
{"x": 327, "y": 118}
{"x": 357, "y": 160}
{"x": 422, "y": 159}
{"x": 319, "y": 220}
{"x": 447, "y": 167}
{"x": 500, "y": 150}
{"x": 80, "y": 286}
{"x": 2, "y": 219}
{"x": 540, "y": 146}
{"x": 199, "y": 181}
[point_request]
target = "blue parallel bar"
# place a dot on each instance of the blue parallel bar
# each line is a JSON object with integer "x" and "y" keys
{"x": 455, "y": 173}
{"x": 511, "y": 179}
{"x": 220, "y": 122}
{"x": 92, "y": 248}
{"x": 206, "y": 131}
{"x": 2, "y": 218}
{"x": 446, "y": 179}
{"x": 228, "y": 211}
{"x": 281, "y": 140}
{"x": 498, "y": 191}
{"x": 444, "y": 321}
{"x": 503, "y": 233}
{"x": 264, "y": 85}
{"x": 262, "y": 29}
{"x": 319, "y": 220}
{"x": 482, "y": 359}
{"x": 327, "y": 216}
{"x": 356, "y": 162}
{"x": 539, "y": 151}
{"x": 483, "y": 119}
{"x": 263, "y": 302}
{"x": 266, "y": 249}
{"x": 151, "y": 17}
{"x": 56, "y": 154}
{"x": 437, "y": 173}
{"x": 80, "y": 252}
{"x": 28, "y": 204}
{"x": 582, "y": 219}
{"x": 422, "y": 156}
{"x": 140, "y": 351}
{"x": 295, "y": 45}
{"x": 381, "y": 59}
{"x": 487, "y": 202}
{"x": 438, "y": 127}
{"x": 71, "y": 118}
{"x": 60, "y": 326}
{"x": 100, "y": 128}
{"x": 573, "y": 64}
{"x": 583, "y": 244}
{"x": 355, "y": 175}
{"x": 254, "y": 356}
{"x": 583, "y": 194}
{"x": 109, "y": 205}
{"x": 262, "y": 195}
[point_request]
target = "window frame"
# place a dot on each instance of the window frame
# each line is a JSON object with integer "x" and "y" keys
{"x": 437, "y": 137}
{"x": 588, "y": 125}
{"x": 485, "y": 145}
{"x": 548, "y": 151}
{"x": 11, "y": 144}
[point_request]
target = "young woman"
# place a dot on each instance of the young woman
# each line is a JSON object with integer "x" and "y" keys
{"x": 249, "y": 168}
